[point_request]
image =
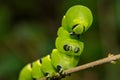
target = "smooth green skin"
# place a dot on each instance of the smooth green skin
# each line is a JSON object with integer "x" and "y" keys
{"x": 64, "y": 38}
{"x": 66, "y": 59}
{"x": 80, "y": 15}
{"x": 63, "y": 60}
{"x": 61, "y": 31}
{"x": 28, "y": 72}
{"x": 36, "y": 70}
{"x": 47, "y": 66}
{"x": 25, "y": 73}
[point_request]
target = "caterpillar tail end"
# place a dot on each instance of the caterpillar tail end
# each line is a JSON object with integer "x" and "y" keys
{"x": 25, "y": 73}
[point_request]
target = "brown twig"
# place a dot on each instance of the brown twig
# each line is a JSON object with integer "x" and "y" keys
{"x": 91, "y": 64}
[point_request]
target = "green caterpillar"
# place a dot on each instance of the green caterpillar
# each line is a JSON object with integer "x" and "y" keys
{"x": 76, "y": 21}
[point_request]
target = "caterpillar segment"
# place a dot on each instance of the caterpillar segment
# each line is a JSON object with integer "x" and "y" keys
{"x": 68, "y": 46}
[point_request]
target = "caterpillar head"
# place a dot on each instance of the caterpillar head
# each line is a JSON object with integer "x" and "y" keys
{"x": 77, "y": 19}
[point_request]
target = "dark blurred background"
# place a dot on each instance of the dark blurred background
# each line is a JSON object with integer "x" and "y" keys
{"x": 28, "y": 31}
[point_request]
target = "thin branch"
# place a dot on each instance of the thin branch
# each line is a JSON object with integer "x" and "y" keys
{"x": 110, "y": 58}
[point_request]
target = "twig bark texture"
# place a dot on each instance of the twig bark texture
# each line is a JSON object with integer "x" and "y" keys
{"x": 110, "y": 58}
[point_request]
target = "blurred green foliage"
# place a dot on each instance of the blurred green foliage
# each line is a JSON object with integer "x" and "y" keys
{"x": 28, "y": 30}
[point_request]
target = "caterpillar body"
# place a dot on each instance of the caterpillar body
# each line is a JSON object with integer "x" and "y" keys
{"x": 76, "y": 21}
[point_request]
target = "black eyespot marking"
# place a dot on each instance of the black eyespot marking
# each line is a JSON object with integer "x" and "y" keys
{"x": 78, "y": 36}
{"x": 34, "y": 79}
{"x": 59, "y": 68}
{"x": 74, "y": 26}
{"x": 47, "y": 74}
{"x": 83, "y": 29}
{"x": 31, "y": 65}
{"x": 50, "y": 56}
{"x": 66, "y": 47}
{"x": 40, "y": 60}
{"x": 76, "y": 50}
